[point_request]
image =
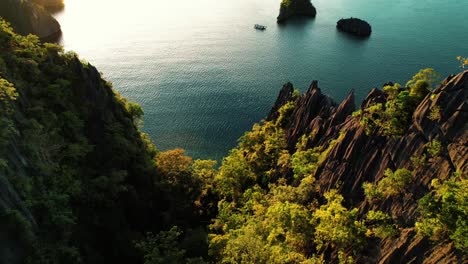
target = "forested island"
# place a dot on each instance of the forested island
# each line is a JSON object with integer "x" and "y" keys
{"x": 295, "y": 8}
{"x": 315, "y": 182}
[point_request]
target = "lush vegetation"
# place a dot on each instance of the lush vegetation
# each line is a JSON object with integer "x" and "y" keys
{"x": 264, "y": 217}
{"x": 393, "y": 117}
{"x": 94, "y": 184}
{"x": 393, "y": 183}
{"x": 445, "y": 211}
{"x": 100, "y": 192}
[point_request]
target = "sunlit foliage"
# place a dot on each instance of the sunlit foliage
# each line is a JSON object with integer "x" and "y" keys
{"x": 393, "y": 117}
{"x": 337, "y": 226}
{"x": 463, "y": 61}
{"x": 380, "y": 224}
{"x": 391, "y": 184}
{"x": 434, "y": 148}
{"x": 445, "y": 211}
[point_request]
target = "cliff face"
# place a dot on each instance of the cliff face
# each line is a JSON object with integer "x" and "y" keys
{"x": 27, "y": 17}
{"x": 357, "y": 158}
{"x": 78, "y": 181}
{"x": 294, "y": 8}
{"x": 38, "y": 157}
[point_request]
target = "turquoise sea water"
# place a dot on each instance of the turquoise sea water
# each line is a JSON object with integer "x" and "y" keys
{"x": 203, "y": 75}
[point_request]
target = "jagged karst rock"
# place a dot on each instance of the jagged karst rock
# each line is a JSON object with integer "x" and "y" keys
{"x": 354, "y": 26}
{"x": 27, "y": 17}
{"x": 357, "y": 158}
{"x": 296, "y": 8}
{"x": 285, "y": 95}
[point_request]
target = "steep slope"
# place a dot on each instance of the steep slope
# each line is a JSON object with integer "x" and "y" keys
{"x": 358, "y": 157}
{"x": 318, "y": 182}
{"x": 79, "y": 183}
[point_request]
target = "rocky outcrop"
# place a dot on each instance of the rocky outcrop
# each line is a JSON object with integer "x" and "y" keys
{"x": 285, "y": 95}
{"x": 354, "y": 26}
{"x": 51, "y": 5}
{"x": 295, "y": 8}
{"x": 356, "y": 158}
{"x": 27, "y": 17}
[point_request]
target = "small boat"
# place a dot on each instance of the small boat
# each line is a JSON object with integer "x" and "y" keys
{"x": 259, "y": 27}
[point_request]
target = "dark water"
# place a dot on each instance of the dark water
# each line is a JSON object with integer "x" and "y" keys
{"x": 203, "y": 75}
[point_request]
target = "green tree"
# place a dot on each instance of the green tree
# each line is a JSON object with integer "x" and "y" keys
{"x": 162, "y": 248}
{"x": 445, "y": 212}
{"x": 380, "y": 224}
{"x": 434, "y": 148}
{"x": 394, "y": 117}
{"x": 392, "y": 184}
{"x": 337, "y": 226}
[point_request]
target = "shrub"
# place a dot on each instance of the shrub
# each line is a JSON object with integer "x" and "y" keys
{"x": 435, "y": 114}
{"x": 393, "y": 118}
{"x": 445, "y": 212}
{"x": 336, "y": 225}
{"x": 391, "y": 184}
{"x": 380, "y": 224}
{"x": 305, "y": 162}
{"x": 370, "y": 191}
{"x": 418, "y": 161}
{"x": 434, "y": 148}
{"x": 429, "y": 76}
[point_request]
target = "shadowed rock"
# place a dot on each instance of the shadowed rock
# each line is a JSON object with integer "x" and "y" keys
{"x": 27, "y": 17}
{"x": 354, "y": 26}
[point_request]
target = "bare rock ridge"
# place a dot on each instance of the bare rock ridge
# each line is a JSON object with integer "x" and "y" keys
{"x": 295, "y": 8}
{"x": 27, "y": 17}
{"x": 356, "y": 158}
{"x": 354, "y": 26}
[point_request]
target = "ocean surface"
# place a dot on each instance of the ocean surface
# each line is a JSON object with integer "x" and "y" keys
{"x": 204, "y": 76}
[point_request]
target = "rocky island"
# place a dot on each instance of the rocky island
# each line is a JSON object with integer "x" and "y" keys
{"x": 354, "y": 26}
{"x": 295, "y": 8}
{"x": 27, "y": 17}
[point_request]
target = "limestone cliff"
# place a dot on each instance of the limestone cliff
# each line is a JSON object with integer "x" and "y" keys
{"x": 358, "y": 157}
